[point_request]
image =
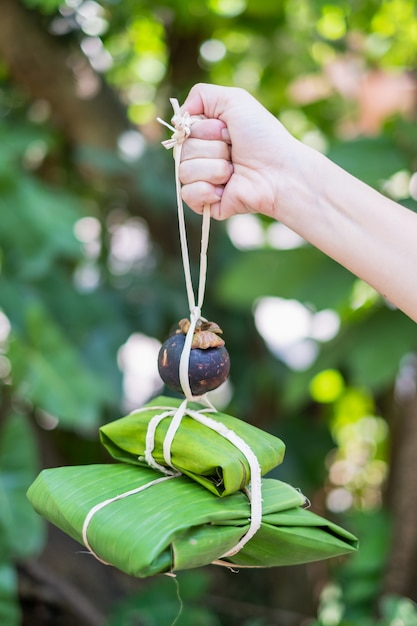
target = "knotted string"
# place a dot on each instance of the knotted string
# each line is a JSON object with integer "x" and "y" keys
{"x": 181, "y": 130}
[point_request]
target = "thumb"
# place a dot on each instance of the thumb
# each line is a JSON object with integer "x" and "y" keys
{"x": 208, "y": 100}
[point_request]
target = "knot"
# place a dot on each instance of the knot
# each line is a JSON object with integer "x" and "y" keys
{"x": 181, "y": 128}
{"x": 195, "y": 314}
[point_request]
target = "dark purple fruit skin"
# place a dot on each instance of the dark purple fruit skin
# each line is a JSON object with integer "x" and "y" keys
{"x": 207, "y": 369}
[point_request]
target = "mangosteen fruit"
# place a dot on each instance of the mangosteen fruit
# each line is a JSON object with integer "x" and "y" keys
{"x": 209, "y": 362}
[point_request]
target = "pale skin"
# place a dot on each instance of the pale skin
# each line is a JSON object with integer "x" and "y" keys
{"x": 242, "y": 160}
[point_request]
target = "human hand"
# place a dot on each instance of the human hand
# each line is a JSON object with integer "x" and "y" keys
{"x": 239, "y": 159}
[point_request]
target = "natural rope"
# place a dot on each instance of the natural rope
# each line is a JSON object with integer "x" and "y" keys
{"x": 120, "y": 496}
{"x": 181, "y": 130}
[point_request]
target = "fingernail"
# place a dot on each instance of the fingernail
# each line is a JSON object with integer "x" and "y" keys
{"x": 219, "y": 191}
{"x": 225, "y": 135}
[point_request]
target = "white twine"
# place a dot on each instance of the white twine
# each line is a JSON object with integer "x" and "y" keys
{"x": 181, "y": 130}
{"x": 253, "y": 492}
{"x": 120, "y": 496}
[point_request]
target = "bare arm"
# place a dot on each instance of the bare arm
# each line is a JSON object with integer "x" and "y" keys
{"x": 241, "y": 160}
{"x": 372, "y": 236}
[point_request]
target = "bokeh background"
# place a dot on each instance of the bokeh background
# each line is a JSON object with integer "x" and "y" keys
{"x": 91, "y": 283}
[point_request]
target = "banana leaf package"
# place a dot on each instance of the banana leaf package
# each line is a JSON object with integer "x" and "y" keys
{"x": 194, "y": 508}
{"x": 197, "y": 451}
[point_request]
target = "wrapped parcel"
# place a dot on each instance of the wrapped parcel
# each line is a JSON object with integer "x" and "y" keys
{"x": 158, "y": 509}
{"x": 196, "y": 451}
{"x": 175, "y": 524}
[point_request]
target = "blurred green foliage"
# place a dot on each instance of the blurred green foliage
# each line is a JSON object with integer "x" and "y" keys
{"x": 89, "y": 257}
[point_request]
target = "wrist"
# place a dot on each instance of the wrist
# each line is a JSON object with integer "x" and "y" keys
{"x": 297, "y": 185}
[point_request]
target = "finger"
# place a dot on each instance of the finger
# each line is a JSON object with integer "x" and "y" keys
{"x": 200, "y": 193}
{"x": 208, "y": 129}
{"x": 200, "y": 148}
{"x": 214, "y": 171}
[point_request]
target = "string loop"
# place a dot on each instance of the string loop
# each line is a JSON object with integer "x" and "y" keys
{"x": 181, "y": 129}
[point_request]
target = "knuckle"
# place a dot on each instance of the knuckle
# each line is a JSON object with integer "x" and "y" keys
{"x": 223, "y": 173}
{"x": 184, "y": 171}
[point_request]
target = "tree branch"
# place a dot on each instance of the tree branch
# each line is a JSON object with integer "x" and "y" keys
{"x": 47, "y": 69}
{"x": 400, "y": 569}
{"x": 72, "y": 597}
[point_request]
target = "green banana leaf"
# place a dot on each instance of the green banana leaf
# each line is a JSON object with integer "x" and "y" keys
{"x": 177, "y": 524}
{"x": 197, "y": 451}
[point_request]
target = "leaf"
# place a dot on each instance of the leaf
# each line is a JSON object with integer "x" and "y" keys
{"x": 50, "y": 371}
{"x": 9, "y": 607}
{"x": 377, "y": 346}
{"x": 47, "y": 6}
{"x": 91, "y": 326}
{"x": 48, "y": 215}
{"x": 15, "y": 140}
{"x": 396, "y": 609}
{"x": 303, "y": 273}
{"x": 22, "y": 529}
{"x": 177, "y": 524}
{"x": 370, "y": 351}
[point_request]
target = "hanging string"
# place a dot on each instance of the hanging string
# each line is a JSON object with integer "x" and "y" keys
{"x": 181, "y": 129}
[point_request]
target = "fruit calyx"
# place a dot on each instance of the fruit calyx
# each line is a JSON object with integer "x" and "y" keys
{"x": 206, "y": 334}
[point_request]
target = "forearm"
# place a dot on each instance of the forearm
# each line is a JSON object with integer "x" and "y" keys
{"x": 371, "y": 235}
